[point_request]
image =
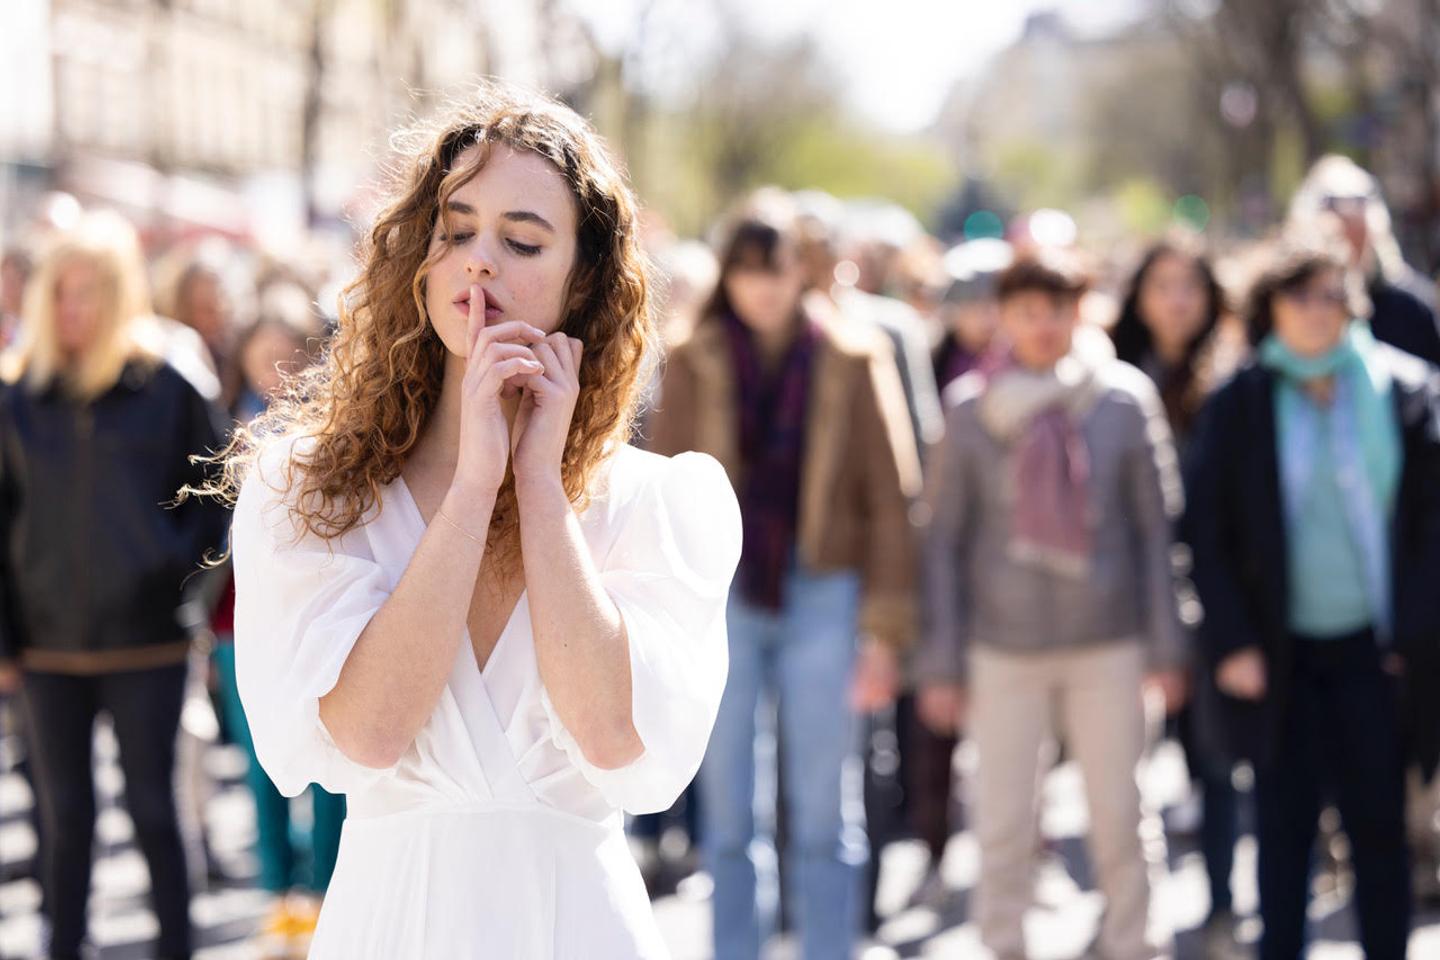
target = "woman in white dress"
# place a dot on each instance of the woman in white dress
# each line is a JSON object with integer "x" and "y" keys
{"x": 462, "y": 600}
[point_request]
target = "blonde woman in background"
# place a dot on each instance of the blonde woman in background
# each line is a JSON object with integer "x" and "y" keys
{"x": 95, "y": 437}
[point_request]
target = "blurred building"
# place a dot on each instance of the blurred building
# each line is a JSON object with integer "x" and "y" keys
{"x": 1228, "y": 103}
{"x": 253, "y": 118}
{"x": 1043, "y": 102}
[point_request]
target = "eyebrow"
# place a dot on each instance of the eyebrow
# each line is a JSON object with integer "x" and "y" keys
{"x": 514, "y": 216}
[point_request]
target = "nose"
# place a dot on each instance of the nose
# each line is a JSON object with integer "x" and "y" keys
{"x": 479, "y": 260}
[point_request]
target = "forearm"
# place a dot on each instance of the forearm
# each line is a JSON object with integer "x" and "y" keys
{"x": 399, "y": 666}
{"x": 943, "y": 639}
{"x": 889, "y": 604}
{"x": 581, "y": 648}
{"x": 1168, "y": 638}
{"x": 889, "y": 594}
{"x": 1152, "y": 538}
{"x": 944, "y": 558}
{"x": 1157, "y": 502}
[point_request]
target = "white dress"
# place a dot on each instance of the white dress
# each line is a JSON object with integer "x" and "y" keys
{"x": 492, "y": 836}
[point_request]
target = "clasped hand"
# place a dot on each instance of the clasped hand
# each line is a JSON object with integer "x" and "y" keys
{"x": 509, "y": 360}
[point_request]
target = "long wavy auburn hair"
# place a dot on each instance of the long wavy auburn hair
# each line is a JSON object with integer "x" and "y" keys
{"x": 367, "y": 402}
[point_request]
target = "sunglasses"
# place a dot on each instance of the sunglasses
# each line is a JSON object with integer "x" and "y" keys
{"x": 1306, "y": 297}
{"x": 1345, "y": 205}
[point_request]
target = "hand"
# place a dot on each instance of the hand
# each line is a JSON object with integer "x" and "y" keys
{"x": 9, "y": 677}
{"x": 877, "y": 678}
{"x": 1242, "y": 675}
{"x": 547, "y": 402}
{"x": 943, "y": 707}
{"x": 1173, "y": 685}
{"x": 500, "y": 357}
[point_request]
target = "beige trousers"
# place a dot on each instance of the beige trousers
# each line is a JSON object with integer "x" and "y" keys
{"x": 1092, "y": 698}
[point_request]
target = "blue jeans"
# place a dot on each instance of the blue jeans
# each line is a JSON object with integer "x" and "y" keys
{"x": 802, "y": 657}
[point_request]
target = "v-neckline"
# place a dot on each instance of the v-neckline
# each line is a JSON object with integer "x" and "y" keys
{"x": 421, "y": 526}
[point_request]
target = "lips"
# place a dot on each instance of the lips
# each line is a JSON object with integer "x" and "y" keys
{"x": 493, "y": 310}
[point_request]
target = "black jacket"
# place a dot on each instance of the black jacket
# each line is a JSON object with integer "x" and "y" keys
{"x": 1402, "y": 316}
{"x": 1235, "y": 528}
{"x": 91, "y": 558}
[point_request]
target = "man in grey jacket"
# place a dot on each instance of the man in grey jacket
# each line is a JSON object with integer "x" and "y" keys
{"x": 1049, "y": 594}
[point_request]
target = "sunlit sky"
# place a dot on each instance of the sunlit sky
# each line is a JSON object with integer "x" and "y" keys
{"x": 901, "y": 57}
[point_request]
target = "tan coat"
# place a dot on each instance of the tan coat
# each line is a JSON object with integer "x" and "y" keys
{"x": 860, "y": 470}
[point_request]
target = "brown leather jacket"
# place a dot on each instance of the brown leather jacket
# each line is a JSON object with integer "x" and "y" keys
{"x": 861, "y": 470}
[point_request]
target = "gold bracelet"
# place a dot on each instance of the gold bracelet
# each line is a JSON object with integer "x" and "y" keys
{"x": 441, "y": 515}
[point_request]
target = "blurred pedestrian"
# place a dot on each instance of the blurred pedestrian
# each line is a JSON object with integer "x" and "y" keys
{"x": 1338, "y": 194}
{"x": 97, "y": 436}
{"x": 276, "y": 347}
{"x": 969, "y": 313}
{"x": 1314, "y": 520}
{"x": 1170, "y": 327}
{"x": 1049, "y": 595}
{"x": 688, "y": 269}
{"x": 806, "y": 414}
{"x": 15, "y": 268}
{"x": 821, "y": 248}
{"x": 196, "y": 307}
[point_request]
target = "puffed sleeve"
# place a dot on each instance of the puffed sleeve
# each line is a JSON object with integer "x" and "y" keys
{"x": 300, "y": 605}
{"x": 669, "y": 573}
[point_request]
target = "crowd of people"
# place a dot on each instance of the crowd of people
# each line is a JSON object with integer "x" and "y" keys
{"x": 1027, "y": 494}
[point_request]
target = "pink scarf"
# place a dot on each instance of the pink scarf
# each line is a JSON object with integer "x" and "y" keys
{"x": 1037, "y": 416}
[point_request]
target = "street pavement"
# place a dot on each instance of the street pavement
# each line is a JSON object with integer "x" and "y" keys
{"x": 1061, "y": 926}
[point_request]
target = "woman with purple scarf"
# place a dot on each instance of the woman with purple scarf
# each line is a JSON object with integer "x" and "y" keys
{"x": 1048, "y": 594}
{"x": 807, "y": 415}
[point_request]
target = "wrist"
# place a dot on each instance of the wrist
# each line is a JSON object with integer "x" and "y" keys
{"x": 478, "y": 485}
{"x": 470, "y": 506}
{"x": 541, "y": 488}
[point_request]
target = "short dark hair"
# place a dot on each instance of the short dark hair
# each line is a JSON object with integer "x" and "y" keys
{"x": 1289, "y": 266}
{"x": 1051, "y": 271}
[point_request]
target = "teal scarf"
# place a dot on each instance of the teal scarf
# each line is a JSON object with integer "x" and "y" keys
{"x": 1364, "y": 442}
{"x": 1369, "y": 389}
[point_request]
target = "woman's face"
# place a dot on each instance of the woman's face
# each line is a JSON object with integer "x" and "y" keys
{"x": 1311, "y": 318}
{"x": 973, "y": 322}
{"x": 77, "y": 306}
{"x": 1348, "y": 213}
{"x": 513, "y": 232}
{"x": 207, "y": 309}
{"x": 1173, "y": 300}
{"x": 1040, "y": 326}
{"x": 765, "y": 298}
{"x": 266, "y": 351}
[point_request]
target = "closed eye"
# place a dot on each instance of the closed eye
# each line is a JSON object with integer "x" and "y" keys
{"x": 524, "y": 249}
{"x": 456, "y": 238}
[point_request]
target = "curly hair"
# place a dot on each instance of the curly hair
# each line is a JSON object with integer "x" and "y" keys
{"x": 367, "y": 402}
